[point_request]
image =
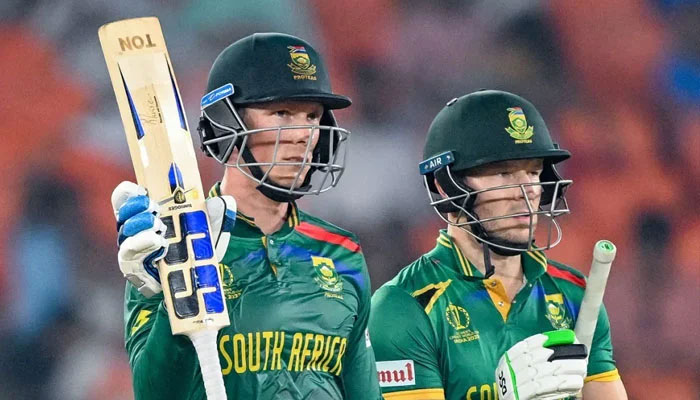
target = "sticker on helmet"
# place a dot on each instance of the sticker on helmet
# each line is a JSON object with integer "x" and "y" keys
{"x": 519, "y": 129}
{"x": 301, "y": 64}
{"x": 216, "y": 95}
{"x": 436, "y": 162}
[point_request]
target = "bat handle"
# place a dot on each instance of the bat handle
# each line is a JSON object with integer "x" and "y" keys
{"x": 603, "y": 255}
{"x": 204, "y": 342}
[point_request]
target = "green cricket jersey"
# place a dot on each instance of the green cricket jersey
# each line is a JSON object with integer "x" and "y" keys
{"x": 298, "y": 301}
{"x": 438, "y": 331}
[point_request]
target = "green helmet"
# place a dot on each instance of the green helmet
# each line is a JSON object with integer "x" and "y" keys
{"x": 267, "y": 67}
{"x": 485, "y": 127}
{"x": 262, "y": 68}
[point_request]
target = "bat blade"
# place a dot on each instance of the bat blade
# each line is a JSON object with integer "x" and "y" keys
{"x": 603, "y": 255}
{"x": 163, "y": 156}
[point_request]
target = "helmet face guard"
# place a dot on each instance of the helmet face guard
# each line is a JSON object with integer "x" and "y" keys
{"x": 459, "y": 199}
{"x": 225, "y": 137}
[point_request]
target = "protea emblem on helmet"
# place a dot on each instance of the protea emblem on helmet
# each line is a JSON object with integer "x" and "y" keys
{"x": 301, "y": 63}
{"x": 518, "y": 129}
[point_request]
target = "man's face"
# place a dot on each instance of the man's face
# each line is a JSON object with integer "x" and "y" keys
{"x": 495, "y": 203}
{"x": 293, "y": 143}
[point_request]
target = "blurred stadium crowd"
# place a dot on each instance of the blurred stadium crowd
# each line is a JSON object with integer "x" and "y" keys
{"x": 618, "y": 82}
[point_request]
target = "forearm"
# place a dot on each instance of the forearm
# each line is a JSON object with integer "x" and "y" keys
{"x": 613, "y": 390}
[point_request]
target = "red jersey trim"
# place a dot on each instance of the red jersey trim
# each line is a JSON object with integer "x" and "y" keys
{"x": 566, "y": 275}
{"x": 318, "y": 233}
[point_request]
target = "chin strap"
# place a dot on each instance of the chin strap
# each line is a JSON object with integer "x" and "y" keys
{"x": 487, "y": 261}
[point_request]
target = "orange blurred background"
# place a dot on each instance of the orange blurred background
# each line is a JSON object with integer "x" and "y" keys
{"x": 618, "y": 83}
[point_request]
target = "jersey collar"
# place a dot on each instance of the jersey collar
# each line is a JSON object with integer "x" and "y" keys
{"x": 245, "y": 226}
{"x": 448, "y": 253}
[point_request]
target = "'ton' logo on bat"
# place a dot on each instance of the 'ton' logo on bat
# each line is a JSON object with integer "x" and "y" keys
{"x": 136, "y": 42}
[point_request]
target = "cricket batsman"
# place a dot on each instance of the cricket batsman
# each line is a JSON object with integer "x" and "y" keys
{"x": 296, "y": 287}
{"x": 485, "y": 315}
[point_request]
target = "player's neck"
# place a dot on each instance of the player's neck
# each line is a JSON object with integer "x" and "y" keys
{"x": 268, "y": 214}
{"x": 508, "y": 269}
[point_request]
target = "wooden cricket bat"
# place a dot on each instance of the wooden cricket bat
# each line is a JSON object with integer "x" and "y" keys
{"x": 161, "y": 150}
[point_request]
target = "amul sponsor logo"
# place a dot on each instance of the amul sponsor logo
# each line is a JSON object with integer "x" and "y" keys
{"x": 396, "y": 373}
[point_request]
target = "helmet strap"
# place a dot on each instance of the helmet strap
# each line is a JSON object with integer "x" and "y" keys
{"x": 487, "y": 246}
{"x": 489, "y": 268}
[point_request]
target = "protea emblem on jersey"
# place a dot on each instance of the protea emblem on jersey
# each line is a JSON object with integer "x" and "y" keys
{"x": 459, "y": 319}
{"x": 556, "y": 312}
{"x": 231, "y": 289}
{"x": 518, "y": 129}
{"x": 326, "y": 275}
{"x": 301, "y": 63}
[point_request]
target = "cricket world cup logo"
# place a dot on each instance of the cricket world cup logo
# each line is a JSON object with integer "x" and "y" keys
{"x": 459, "y": 319}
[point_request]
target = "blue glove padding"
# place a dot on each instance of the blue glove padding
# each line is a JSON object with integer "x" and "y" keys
{"x": 141, "y": 236}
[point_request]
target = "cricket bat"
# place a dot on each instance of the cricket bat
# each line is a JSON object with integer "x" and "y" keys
{"x": 164, "y": 161}
{"x": 603, "y": 255}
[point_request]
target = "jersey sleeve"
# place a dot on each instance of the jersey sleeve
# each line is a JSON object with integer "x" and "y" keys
{"x": 162, "y": 365}
{"x": 601, "y": 365}
{"x": 405, "y": 346}
{"x": 360, "y": 372}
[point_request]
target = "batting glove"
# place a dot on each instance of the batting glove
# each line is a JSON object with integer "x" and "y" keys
{"x": 142, "y": 240}
{"x": 546, "y": 366}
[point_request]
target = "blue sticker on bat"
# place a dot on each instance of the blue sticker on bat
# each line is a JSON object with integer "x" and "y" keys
{"x": 181, "y": 113}
{"x": 207, "y": 278}
{"x": 201, "y": 276}
{"x": 134, "y": 114}
{"x": 436, "y": 162}
{"x": 216, "y": 95}
{"x": 196, "y": 222}
{"x": 175, "y": 178}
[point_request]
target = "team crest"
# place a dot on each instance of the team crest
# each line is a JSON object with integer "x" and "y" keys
{"x": 459, "y": 319}
{"x": 301, "y": 64}
{"x": 518, "y": 129}
{"x": 179, "y": 196}
{"x": 556, "y": 312}
{"x": 177, "y": 190}
{"x": 176, "y": 184}
{"x": 231, "y": 289}
{"x": 326, "y": 275}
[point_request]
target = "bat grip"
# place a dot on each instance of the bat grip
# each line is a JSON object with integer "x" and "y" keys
{"x": 603, "y": 255}
{"x": 204, "y": 342}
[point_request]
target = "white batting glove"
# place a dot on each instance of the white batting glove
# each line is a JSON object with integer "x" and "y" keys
{"x": 142, "y": 240}
{"x": 546, "y": 366}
